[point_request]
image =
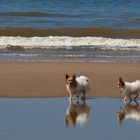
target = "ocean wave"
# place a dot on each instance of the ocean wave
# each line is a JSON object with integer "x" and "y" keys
{"x": 66, "y": 42}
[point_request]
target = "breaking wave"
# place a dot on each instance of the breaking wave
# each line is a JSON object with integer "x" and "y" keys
{"x": 66, "y": 42}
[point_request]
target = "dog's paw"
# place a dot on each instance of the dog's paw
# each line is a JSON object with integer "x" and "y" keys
{"x": 83, "y": 98}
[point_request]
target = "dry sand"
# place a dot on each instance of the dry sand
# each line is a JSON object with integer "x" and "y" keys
{"x": 47, "y": 79}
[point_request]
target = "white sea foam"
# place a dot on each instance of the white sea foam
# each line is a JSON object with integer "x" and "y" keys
{"x": 65, "y": 41}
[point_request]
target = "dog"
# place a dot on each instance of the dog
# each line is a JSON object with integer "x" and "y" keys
{"x": 77, "y": 85}
{"x": 129, "y": 111}
{"x": 77, "y": 113}
{"x": 129, "y": 89}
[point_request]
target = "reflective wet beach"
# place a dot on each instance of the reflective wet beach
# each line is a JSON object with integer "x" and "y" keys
{"x": 57, "y": 118}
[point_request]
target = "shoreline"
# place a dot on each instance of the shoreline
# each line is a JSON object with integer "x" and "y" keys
{"x": 47, "y": 79}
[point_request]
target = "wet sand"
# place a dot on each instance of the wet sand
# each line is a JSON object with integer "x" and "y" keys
{"x": 47, "y": 79}
{"x": 74, "y": 32}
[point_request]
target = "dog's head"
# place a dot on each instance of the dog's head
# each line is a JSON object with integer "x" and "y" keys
{"x": 120, "y": 83}
{"x": 71, "y": 80}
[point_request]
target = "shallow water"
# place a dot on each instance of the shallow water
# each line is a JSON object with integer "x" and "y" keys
{"x": 41, "y": 119}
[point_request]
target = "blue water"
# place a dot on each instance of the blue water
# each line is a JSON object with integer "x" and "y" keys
{"x": 70, "y": 13}
{"x": 103, "y": 17}
{"x": 41, "y": 119}
{"x": 70, "y": 56}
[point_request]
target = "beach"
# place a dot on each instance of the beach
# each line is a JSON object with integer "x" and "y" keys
{"x": 41, "y": 42}
{"x": 47, "y": 79}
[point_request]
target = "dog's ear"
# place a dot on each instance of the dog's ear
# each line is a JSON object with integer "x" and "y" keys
{"x": 121, "y": 82}
{"x": 120, "y": 79}
{"x": 66, "y": 76}
{"x": 74, "y": 76}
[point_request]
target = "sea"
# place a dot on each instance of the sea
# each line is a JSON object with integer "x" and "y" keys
{"x": 70, "y": 30}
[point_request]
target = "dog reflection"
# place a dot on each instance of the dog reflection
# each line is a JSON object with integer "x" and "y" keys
{"x": 129, "y": 111}
{"x": 77, "y": 113}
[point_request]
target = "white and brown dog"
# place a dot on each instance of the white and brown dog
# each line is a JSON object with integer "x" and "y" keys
{"x": 129, "y": 89}
{"x": 77, "y": 85}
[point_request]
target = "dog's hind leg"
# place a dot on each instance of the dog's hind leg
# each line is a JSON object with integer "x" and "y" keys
{"x": 136, "y": 96}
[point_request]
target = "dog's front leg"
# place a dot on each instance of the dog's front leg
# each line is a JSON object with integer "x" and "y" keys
{"x": 84, "y": 96}
{"x": 77, "y": 94}
{"x": 125, "y": 98}
{"x": 71, "y": 94}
